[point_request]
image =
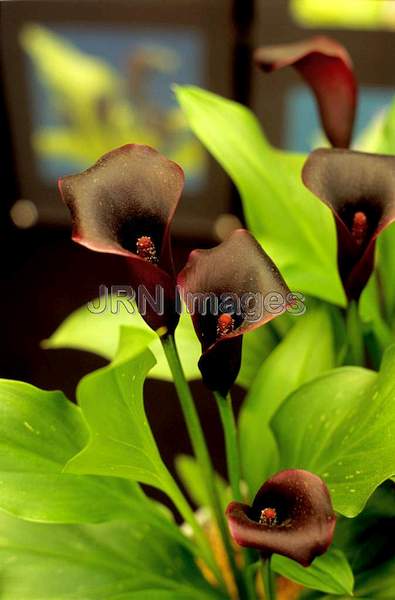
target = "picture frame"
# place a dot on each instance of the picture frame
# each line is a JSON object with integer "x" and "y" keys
{"x": 210, "y": 23}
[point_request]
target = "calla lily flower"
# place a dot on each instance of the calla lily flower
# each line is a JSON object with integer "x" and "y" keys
{"x": 229, "y": 290}
{"x": 291, "y": 515}
{"x": 124, "y": 204}
{"x": 326, "y": 66}
{"x": 359, "y": 188}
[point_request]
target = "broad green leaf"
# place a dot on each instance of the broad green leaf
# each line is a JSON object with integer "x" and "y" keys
{"x": 370, "y": 311}
{"x": 305, "y": 352}
{"x": 39, "y": 432}
{"x": 380, "y": 307}
{"x": 100, "y": 333}
{"x": 97, "y": 333}
{"x": 121, "y": 443}
{"x": 329, "y": 573}
{"x": 142, "y": 558}
{"x": 367, "y": 540}
{"x": 377, "y": 303}
{"x": 191, "y": 477}
{"x": 342, "y": 427}
{"x": 386, "y": 268}
{"x": 294, "y": 227}
{"x": 377, "y": 334}
{"x": 257, "y": 346}
{"x": 282, "y": 324}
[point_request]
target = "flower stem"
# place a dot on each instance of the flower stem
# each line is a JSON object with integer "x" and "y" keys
{"x": 356, "y": 351}
{"x": 233, "y": 466}
{"x": 268, "y": 580}
{"x": 251, "y": 571}
{"x": 231, "y": 443}
{"x": 189, "y": 517}
{"x": 200, "y": 450}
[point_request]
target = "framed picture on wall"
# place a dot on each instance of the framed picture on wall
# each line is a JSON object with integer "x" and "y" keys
{"x": 81, "y": 78}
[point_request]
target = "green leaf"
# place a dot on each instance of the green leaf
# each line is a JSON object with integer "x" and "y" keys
{"x": 370, "y": 311}
{"x": 367, "y": 540}
{"x": 329, "y": 573}
{"x": 100, "y": 333}
{"x": 377, "y": 307}
{"x": 257, "y": 345}
{"x": 386, "y": 268}
{"x": 39, "y": 432}
{"x": 342, "y": 427}
{"x": 377, "y": 335}
{"x": 383, "y": 304}
{"x": 142, "y": 558}
{"x": 296, "y": 360}
{"x": 377, "y": 303}
{"x": 294, "y": 227}
{"x": 121, "y": 443}
{"x": 191, "y": 477}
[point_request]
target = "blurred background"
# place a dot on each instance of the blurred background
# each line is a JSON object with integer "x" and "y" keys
{"x": 80, "y": 78}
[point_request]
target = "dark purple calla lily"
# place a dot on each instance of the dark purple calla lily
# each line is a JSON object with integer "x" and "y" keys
{"x": 229, "y": 290}
{"x": 326, "y": 66}
{"x": 359, "y": 188}
{"x": 124, "y": 204}
{"x": 291, "y": 515}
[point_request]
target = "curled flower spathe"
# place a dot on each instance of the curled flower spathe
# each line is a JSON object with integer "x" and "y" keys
{"x": 124, "y": 204}
{"x": 230, "y": 290}
{"x": 326, "y": 66}
{"x": 359, "y": 188}
{"x": 291, "y": 515}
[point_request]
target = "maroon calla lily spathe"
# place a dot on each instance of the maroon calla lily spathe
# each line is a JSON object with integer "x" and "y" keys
{"x": 291, "y": 515}
{"x": 359, "y": 188}
{"x": 233, "y": 271}
{"x": 124, "y": 204}
{"x": 326, "y": 66}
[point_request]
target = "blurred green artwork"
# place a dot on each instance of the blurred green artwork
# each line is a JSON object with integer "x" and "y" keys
{"x": 350, "y": 14}
{"x": 93, "y": 90}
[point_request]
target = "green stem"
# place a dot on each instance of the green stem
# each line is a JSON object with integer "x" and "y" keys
{"x": 251, "y": 573}
{"x": 231, "y": 443}
{"x": 268, "y": 580}
{"x": 225, "y": 409}
{"x": 356, "y": 352}
{"x": 200, "y": 450}
{"x": 189, "y": 517}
